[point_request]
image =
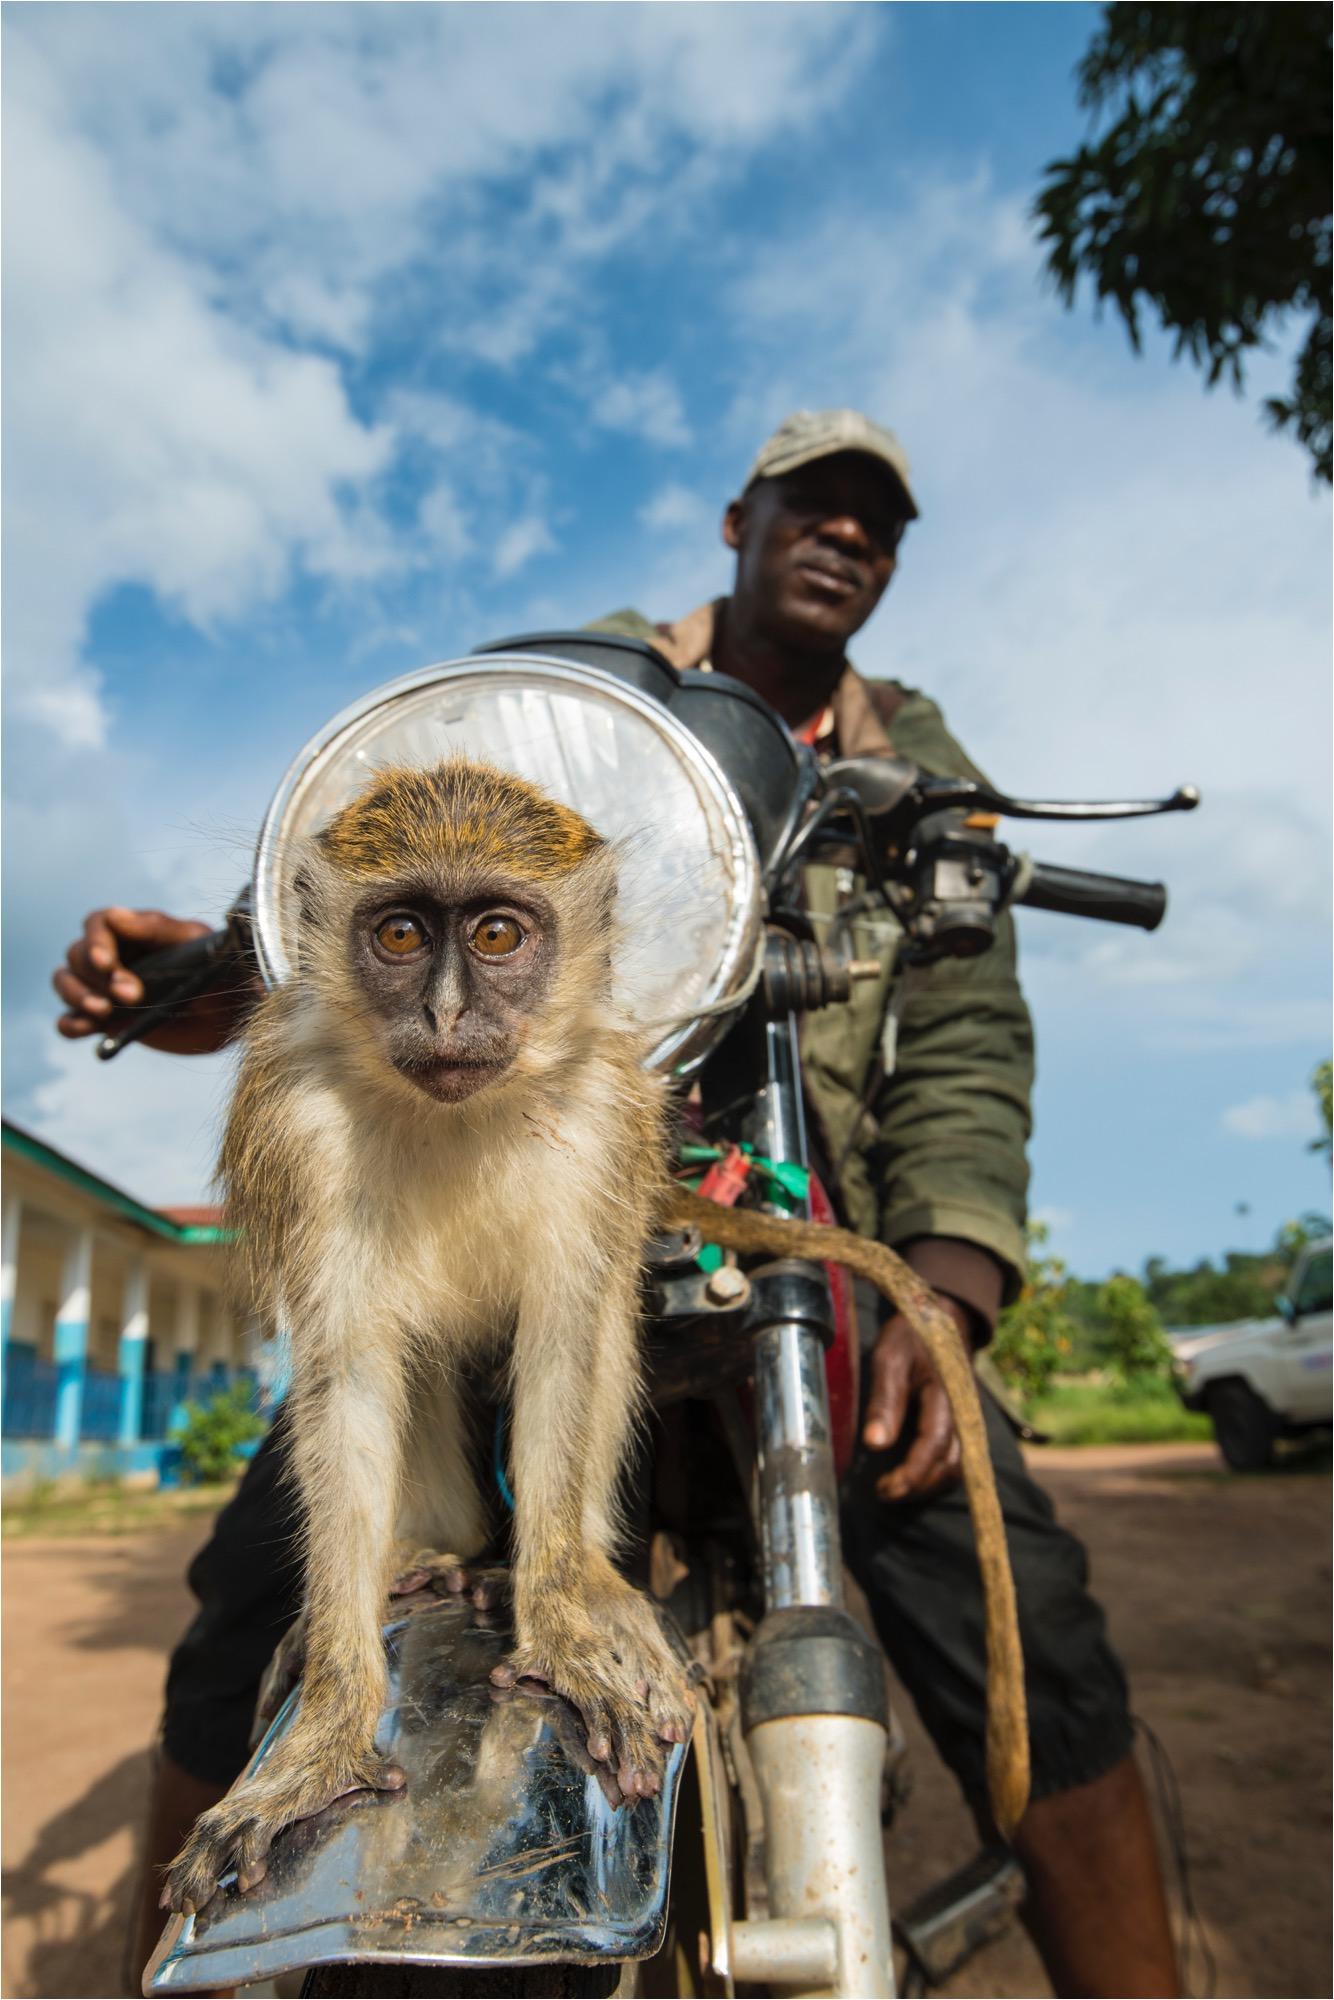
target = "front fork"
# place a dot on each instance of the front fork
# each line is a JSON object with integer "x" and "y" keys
{"x": 813, "y": 1701}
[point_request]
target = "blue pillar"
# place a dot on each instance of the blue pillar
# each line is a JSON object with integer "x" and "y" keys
{"x": 133, "y": 1347}
{"x": 9, "y": 1261}
{"x": 187, "y": 1347}
{"x": 71, "y": 1343}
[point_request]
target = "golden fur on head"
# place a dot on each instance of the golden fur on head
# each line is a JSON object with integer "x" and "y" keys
{"x": 459, "y": 814}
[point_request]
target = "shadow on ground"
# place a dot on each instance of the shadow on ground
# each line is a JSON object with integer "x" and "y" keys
{"x": 77, "y": 1936}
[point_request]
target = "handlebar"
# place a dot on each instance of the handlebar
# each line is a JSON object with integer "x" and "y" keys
{"x": 1077, "y": 892}
{"x": 170, "y": 977}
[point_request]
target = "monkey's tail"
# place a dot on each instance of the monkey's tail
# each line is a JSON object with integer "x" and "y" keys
{"x": 1007, "y": 1715}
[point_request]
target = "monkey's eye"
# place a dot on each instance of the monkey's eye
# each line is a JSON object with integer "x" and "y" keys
{"x": 497, "y": 937}
{"x": 401, "y": 936}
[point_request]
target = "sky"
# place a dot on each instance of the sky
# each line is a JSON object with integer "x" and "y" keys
{"x": 339, "y": 340}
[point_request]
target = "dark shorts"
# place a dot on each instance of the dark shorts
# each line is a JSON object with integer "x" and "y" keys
{"x": 915, "y": 1563}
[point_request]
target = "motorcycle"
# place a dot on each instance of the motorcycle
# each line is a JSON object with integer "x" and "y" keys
{"x": 504, "y": 1867}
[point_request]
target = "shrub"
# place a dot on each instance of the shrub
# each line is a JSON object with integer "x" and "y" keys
{"x": 1035, "y": 1335}
{"x": 211, "y": 1434}
{"x": 1133, "y": 1339}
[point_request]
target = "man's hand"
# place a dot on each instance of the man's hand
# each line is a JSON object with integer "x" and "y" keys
{"x": 904, "y": 1387}
{"x": 95, "y": 983}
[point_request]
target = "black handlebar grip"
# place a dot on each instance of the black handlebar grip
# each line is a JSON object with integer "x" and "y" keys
{"x": 171, "y": 977}
{"x": 1113, "y": 899}
{"x": 173, "y": 962}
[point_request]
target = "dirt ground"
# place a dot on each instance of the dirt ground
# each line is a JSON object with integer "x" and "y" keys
{"x": 1218, "y": 1593}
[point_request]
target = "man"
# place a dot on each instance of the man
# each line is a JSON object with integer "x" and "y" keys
{"x": 929, "y": 1150}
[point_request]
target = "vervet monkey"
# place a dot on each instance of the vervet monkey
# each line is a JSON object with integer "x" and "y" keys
{"x": 438, "y": 1147}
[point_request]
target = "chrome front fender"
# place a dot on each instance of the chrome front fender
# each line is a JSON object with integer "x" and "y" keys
{"x": 503, "y": 1849}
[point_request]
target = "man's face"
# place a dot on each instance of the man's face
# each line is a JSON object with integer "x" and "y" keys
{"x": 816, "y": 548}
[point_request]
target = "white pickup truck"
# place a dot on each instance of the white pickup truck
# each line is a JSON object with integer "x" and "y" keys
{"x": 1263, "y": 1379}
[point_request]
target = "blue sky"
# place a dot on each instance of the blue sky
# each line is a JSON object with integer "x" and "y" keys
{"x": 339, "y": 339}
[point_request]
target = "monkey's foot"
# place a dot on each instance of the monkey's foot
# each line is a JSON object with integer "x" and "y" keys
{"x": 628, "y": 1713}
{"x": 659, "y": 1676}
{"x": 239, "y": 1831}
{"x": 443, "y": 1576}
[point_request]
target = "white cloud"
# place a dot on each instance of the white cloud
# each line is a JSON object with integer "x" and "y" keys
{"x": 675, "y": 509}
{"x": 196, "y": 196}
{"x": 150, "y": 1122}
{"x": 443, "y": 522}
{"x": 521, "y": 541}
{"x": 1291, "y": 1116}
{"x": 148, "y": 439}
{"x": 647, "y": 406}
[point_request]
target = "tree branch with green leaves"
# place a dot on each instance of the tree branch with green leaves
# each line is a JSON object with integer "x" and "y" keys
{"x": 1206, "y": 199}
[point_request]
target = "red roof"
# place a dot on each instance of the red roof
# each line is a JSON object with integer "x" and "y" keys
{"x": 199, "y": 1217}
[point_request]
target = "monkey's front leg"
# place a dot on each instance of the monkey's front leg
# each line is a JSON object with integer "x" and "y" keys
{"x": 347, "y": 1423}
{"x": 571, "y": 1370}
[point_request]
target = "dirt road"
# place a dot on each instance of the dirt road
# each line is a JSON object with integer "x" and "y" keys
{"x": 1218, "y": 1591}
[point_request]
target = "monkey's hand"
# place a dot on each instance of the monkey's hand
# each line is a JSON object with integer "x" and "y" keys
{"x": 305, "y": 1771}
{"x": 611, "y": 1662}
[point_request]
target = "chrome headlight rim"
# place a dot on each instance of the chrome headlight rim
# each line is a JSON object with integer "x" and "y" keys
{"x": 685, "y": 1043}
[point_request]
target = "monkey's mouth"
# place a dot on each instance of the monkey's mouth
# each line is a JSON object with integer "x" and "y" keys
{"x": 451, "y": 1078}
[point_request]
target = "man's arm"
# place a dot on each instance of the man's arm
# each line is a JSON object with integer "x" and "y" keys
{"x": 953, "y": 1123}
{"x": 97, "y": 984}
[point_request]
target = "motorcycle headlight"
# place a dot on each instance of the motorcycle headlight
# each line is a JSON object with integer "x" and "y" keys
{"x": 689, "y": 898}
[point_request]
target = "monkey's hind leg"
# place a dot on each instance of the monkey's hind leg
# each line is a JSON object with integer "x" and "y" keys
{"x": 657, "y": 1673}
{"x": 615, "y": 1669}
{"x": 347, "y": 1422}
{"x": 442, "y": 1523}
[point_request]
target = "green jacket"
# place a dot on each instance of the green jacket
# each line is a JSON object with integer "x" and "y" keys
{"x": 930, "y": 1158}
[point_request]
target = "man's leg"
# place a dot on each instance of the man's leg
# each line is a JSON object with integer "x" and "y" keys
{"x": 1096, "y": 1907}
{"x": 248, "y": 1582}
{"x": 174, "y": 1804}
{"x": 1096, "y": 1903}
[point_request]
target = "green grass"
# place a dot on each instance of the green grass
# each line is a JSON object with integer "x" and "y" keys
{"x": 1092, "y": 1412}
{"x": 104, "y": 1507}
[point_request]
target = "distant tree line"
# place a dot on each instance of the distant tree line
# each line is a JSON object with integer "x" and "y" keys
{"x": 1063, "y": 1325}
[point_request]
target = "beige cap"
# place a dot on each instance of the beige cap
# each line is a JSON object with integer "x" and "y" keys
{"x": 810, "y": 434}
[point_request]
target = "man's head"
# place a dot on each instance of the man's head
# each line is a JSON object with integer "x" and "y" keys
{"x": 817, "y": 529}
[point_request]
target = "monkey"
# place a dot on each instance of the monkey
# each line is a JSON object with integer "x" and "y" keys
{"x": 442, "y": 1145}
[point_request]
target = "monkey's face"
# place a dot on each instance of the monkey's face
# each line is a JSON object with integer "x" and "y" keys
{"x": 451, "y": 982}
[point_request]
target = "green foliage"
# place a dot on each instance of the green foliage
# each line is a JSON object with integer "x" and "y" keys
{"x": 211, "y": 1434}
{"x": 1034, "y": 1337}
{"x": 80, "y": 1508}
{"x": 1093, "y": 1413}
{"x": 1136, "y": 1345}
{"x": 1322, "y": 1083}
{"x": 1294, "y": 1236}
{"x": 1207, "y": 198}
{"x": 1243, "y": 1287}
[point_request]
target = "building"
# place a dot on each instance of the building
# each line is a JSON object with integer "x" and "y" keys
{"x": 113, "y": 1315}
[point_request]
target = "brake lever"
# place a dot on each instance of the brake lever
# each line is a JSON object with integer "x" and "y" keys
{"x": 942, "y": 794}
